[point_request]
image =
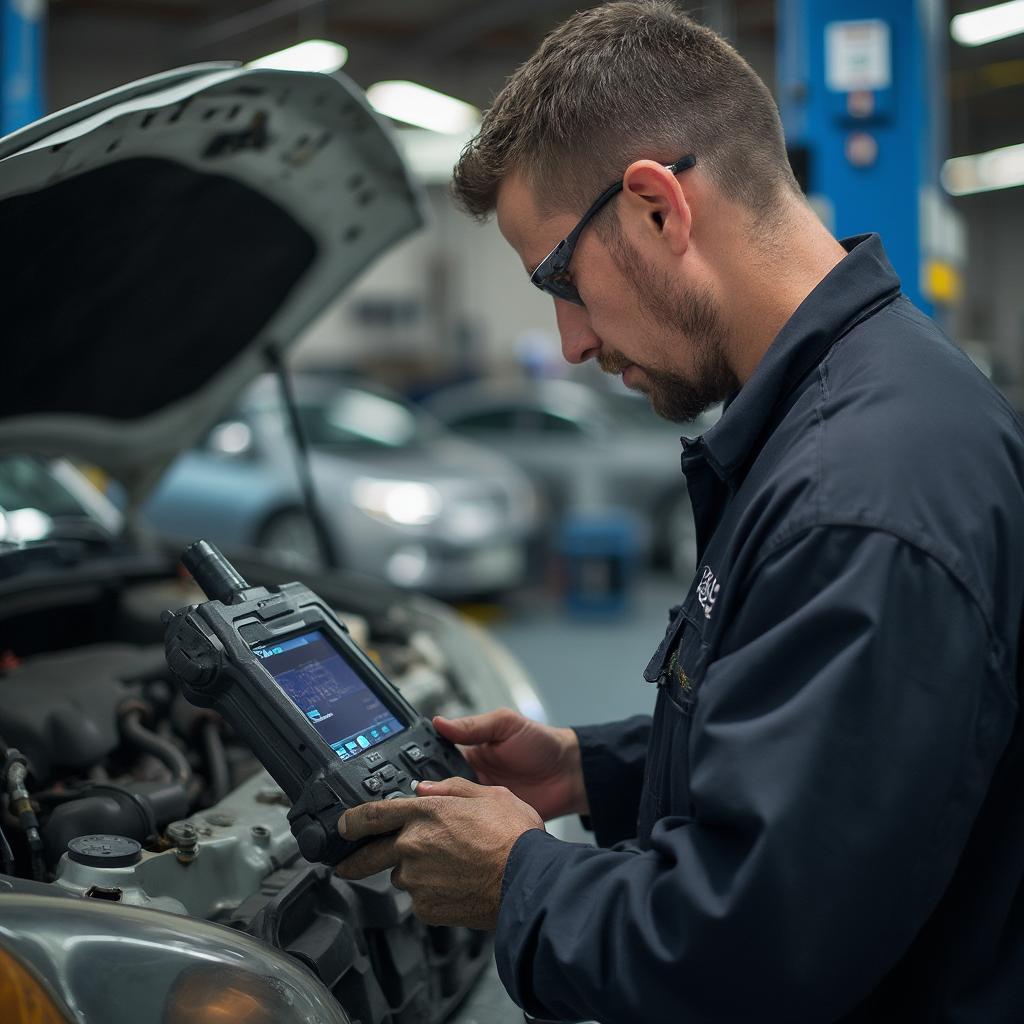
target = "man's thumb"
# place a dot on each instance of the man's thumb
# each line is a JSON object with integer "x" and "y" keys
{"x": 449, "y": 787}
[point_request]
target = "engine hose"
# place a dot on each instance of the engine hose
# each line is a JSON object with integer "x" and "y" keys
{"x": 6, "y": 854}
{"x": 216, "y": 760}
{"x": 16, "y": 781}
{"x": 163, "y": 750}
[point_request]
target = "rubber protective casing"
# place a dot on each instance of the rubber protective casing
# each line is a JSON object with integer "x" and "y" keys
{"x": 208, "y": 650}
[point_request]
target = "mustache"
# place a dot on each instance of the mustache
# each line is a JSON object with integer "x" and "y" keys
{"x": 612, "y": 362}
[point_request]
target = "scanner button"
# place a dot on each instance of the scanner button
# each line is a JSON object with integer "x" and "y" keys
{"x": 373, "y": 784}
{"x": 375, "y": 757}
{"x": 387, "y": 773}
{"x": 414, "y": 754}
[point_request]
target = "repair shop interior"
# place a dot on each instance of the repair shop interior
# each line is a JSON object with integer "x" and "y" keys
{"x": 511, "y": 510}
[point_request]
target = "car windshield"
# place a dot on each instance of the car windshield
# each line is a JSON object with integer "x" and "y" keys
{"x": 352, "y": 418}
{"x": 41, "y": 500}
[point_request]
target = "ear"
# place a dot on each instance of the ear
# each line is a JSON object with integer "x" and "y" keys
{"x": 655, "y": 201}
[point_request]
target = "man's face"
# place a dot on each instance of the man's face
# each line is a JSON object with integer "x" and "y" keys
{"x": 664, "y": 335}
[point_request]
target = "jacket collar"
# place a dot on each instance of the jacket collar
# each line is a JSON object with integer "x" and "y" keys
{"x": 853, "y": 290}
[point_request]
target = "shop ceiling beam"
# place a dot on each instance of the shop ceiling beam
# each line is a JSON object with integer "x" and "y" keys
{"x": 132, "y": 9}
{"x": 253, "y": 19}
{"x": 477, "y": 20}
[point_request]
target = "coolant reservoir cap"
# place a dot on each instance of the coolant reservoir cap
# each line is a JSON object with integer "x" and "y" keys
{"x": 105, "y": 851}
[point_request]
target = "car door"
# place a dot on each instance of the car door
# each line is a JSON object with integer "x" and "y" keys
{"x": 223, "y": 488}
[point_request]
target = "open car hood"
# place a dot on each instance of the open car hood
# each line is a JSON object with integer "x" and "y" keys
{"x": 157, "y": 241}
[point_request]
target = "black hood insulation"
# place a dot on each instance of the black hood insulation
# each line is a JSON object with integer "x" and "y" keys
{"x": 125, "y": 286}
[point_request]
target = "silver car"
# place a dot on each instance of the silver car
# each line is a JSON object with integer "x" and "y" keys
{"x": 402, "y": 497}
{"x": 588, "y": 450}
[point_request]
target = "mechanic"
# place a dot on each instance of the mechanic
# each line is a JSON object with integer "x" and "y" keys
{"x": 824, "y": 820}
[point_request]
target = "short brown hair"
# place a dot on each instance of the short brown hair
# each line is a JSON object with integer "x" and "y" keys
{"x": 625, "y": 81}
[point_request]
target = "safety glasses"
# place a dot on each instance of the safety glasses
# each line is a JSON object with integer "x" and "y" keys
{"x": 552, "y": 274}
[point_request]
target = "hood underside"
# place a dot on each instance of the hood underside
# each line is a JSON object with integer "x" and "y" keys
{"x": 159, "y": 240}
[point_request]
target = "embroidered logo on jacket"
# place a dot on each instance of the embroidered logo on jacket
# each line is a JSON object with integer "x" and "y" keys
{"x": 707, "y": 592}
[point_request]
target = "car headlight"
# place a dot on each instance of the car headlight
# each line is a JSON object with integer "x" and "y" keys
{"x": 121, "y": 964}
{"x": 25, "y": 998}
{"x": 403, "y": 502}
{"x": 224, "y": 995}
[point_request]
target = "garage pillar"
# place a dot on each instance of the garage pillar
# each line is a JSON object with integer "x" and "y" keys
{"x": 862, "y": 92}
{"x": 21, "y": 62}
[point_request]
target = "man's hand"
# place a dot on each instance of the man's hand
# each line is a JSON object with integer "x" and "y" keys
{"x": 453, "y": 840}
{"x": 538, "y": 763}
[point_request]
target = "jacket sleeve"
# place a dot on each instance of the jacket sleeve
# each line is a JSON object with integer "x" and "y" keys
{"x": 613, "y": 759}
{"x": 842, "y": 743}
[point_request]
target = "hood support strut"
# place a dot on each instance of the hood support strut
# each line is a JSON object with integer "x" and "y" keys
{"x": 328, "y": 551}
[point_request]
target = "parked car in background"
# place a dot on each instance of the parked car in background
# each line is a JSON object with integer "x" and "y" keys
{"x": 402, "y": 497}
{"x": 589, "y": 450}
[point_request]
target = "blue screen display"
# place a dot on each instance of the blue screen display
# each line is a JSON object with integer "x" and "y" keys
{"x": 329, "y": 692}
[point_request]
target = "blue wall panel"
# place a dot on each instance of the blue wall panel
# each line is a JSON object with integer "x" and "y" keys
{"x": 21, "y": 62}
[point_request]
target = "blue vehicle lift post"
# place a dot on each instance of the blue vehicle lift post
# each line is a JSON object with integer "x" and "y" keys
{"x": 22, "y": 24}
{"x": 862, "y": 91}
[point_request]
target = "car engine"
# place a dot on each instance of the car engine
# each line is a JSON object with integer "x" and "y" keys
{"x": 122, "y": 792}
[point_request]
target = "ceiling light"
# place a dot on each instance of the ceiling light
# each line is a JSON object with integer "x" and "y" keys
{"x": 423, "y": 107}
{"x": 984, "y": 172}
{"x": 988, "y": 24}
{"x": 312, "y": 55}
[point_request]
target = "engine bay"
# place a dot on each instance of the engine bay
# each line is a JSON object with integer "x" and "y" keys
{"x": 121, "y": 792}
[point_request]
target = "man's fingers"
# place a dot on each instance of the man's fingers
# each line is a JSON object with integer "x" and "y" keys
{"x": 369, "y": 859}
{"x": 450, "y": 787}
{"x": 492, "y": 727}
{"x": 377, "y": 818}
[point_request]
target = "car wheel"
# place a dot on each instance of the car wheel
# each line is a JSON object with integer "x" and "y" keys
{"x": 681, "y": 539}
{"x": 290, "y": 533}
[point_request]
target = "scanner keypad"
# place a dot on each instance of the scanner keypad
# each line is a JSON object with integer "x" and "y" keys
{"x": 386, "y": 780}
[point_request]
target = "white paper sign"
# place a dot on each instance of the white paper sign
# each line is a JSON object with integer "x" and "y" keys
{"x": 858, "y": 55}
{"x": 30, "y": 10}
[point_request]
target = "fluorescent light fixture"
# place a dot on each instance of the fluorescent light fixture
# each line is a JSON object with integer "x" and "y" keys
{"x": 312, "y": 55}
{"x": 423, "y": 107}
{"x": 984, "y": 172}
{"x": 989, "y": 24}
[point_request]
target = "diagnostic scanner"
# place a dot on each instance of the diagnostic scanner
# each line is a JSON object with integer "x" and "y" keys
{"x": 282, "y": 670}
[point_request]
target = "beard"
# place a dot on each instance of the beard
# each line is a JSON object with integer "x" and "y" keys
{"x": 695, "y": 315}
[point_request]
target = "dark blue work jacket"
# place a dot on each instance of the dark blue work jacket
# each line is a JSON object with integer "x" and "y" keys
{"x": 825, "y": 819}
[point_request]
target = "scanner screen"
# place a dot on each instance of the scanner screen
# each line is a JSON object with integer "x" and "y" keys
{"x": 329, "y": 692}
